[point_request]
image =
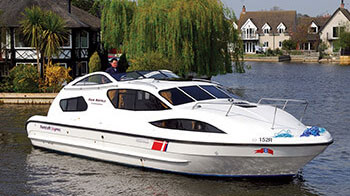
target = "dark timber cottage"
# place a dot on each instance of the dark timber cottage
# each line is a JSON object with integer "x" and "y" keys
{"x": 84, "y": 38}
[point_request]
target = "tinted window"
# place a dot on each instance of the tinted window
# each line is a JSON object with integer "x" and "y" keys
{"x": 186, "y": 125}
{"x": 215, "y": 91}
{"x": 197, "y": 93}
{"x": 93, "y": 80}
{"x": 135, "y": 100}
{"x": 75, "y": 104}
{"x": 175, "y": 96}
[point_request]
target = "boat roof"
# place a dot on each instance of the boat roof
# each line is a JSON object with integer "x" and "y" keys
{"x": 148, "y": 83}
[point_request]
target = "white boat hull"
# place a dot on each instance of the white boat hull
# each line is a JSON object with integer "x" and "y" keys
{"x": 195, "y": 158}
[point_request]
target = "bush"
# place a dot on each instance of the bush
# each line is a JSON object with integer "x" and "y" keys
{"x": 55, "y": 77}
{"x": 25, "y": 78}
{"x": 154, "y": 61}
{"x": 95, "y": 63}
{"x": 278, "y": 52}
{"x": 6, "y": 85}
{"x": 289, "y": 45}
{"x": 270, "y": 52}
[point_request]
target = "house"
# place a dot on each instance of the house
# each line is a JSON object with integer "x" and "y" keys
{"x": 84, "y": 35}
{"x": 266, "y": 28}
{"x": 309, "y": 28}
{"x": 338, "y": 22}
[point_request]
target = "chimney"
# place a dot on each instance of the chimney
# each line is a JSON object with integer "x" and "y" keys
{"x": 342, "y": 4}
{"x": 243, "y": 9}
{"x": 69, "y": 6}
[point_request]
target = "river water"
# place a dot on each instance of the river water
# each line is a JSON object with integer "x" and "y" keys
{"x": 28, "y": 171}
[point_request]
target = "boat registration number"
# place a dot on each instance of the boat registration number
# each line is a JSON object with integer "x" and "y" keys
{"x": 265, "y": 139}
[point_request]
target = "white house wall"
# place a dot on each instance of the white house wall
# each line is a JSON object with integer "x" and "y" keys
{"x": 327, "y": 32}
{"x": 273, "y": 40}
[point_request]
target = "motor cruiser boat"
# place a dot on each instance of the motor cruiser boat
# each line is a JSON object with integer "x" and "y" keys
{"x": 155, "y": 120}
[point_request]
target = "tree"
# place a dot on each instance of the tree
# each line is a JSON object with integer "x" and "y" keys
{"x": 193, "y": 34}
{"x": 45, "y": 30}
{"x": 288, "y": 45}
{"x": 32, "y": 29}
{"x": 344, "y": 40}
{"x": 116, "y": 18}
{"x": 91, "y": 6}
{"x": 94, "y": 63}
{"x": 54, "y": 34}
{"x": 300, "y": 35}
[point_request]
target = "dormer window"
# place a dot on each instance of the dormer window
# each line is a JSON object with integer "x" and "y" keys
{"x": 266, "y": 28}
{"x": 313, "y": 28}
{"x": 281, "y": 28}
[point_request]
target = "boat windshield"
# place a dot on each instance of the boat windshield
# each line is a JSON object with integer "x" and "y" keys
{"x": 188, "y": 94}
{"x": 197, "y": 93}
{"x": 215, "y": 91}
{"x": 175, "y": 96}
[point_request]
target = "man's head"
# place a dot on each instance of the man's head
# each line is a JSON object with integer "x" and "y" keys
{"x": 114, "y": 63}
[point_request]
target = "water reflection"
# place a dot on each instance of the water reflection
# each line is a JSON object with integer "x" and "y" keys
{"x": 28, "y": 171}
{"x": 52, "y": 173}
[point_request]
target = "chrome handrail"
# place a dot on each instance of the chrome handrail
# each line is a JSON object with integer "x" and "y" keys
{"x": 231, "y": 102}
{"x": 286, "y": 101}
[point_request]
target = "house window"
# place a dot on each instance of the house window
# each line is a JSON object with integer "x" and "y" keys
{"x": 67, "y": 43}
{"x": 82, "y": 68}
{"x": 335, "y": 31}
{"x": 266, "y": 44}
{"x": 20, "y": 40}
{"x": 82, "y": 39}
{"x": 313, "y": 30}
{"x": 266, "y": 31}
{"x": 135, "y": 100}
{"x": 280, "y": 30}
{"x": 280, "y": 44}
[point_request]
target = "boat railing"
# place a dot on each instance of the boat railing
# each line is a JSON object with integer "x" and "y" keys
{"x": 283, "y": 104}
{"x": 204, "y": 80}
{"x": 231, "y": 102}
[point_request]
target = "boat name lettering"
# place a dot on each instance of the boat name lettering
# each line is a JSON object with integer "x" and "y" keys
{"x": 97, "y": 101}
{"x": 265, "y": 139}
{"x": 54, "y": 129}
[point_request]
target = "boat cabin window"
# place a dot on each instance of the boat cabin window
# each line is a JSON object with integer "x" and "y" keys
{"x": 186, "y": 125}
{"x": 75, "y": 104}
{"x": 136, "y": 100}
{"x": 215, "y": 91}
{"x": 197, "y": 93}
{"x": 175, "y": 96}
{"x": 93, "y": 80}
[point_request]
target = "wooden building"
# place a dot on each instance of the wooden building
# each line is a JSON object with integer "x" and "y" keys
{"x": 84, "y": 35}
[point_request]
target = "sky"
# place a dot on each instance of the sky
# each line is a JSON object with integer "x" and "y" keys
{"x": 309, "y": 7}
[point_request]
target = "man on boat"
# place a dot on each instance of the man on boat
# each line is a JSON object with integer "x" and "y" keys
{"x": 113, "y": 69}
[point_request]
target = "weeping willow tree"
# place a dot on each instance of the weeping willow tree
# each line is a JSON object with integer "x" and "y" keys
{"x": 192, "y": 34}
{"x": 116, "y": 18}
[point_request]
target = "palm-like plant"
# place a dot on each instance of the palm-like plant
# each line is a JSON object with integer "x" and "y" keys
{"x": 54, "y": 34}
{"x": 32, "y": 28}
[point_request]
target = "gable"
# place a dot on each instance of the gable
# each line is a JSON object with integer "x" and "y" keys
{"x": 281, "y": 26}
{"x": 249, "y": 25}
{"x": 339, "y": 18}
{"x": 266, "y": 26}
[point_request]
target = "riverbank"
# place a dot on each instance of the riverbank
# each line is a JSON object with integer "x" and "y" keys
{"x": 27, "y": 98}
{"x": 294, "y": 59}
